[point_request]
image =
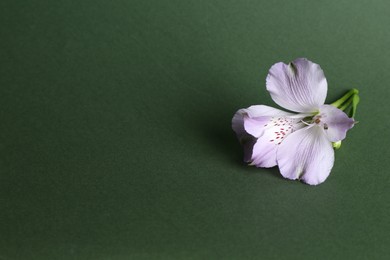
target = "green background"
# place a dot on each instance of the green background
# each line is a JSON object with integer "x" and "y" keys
{"x": 116, "y": 140}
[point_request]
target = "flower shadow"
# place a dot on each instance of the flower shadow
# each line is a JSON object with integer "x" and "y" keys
{"x": 219, "y": 137}
{"x": 210, "y": 122}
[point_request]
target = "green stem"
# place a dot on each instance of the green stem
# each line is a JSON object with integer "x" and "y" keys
{"x": 351, "y": 98}
{"x": 347, "y": 103}
{"x": 355, "y": 102}
{"x": 338, "y": 103}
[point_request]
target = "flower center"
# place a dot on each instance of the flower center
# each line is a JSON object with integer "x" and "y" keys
{"x": 317, "y": 120}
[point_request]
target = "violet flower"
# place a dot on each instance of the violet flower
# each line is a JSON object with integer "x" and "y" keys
{"x": 300, "y": 144}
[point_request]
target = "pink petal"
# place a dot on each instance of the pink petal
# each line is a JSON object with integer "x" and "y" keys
{"x": 272, "y": 135}
{"x": 238, "y": 123}
{"x": 335, "y": 122}
{"x": 265, "y": 123}
{"x": 246, "y": 140}
{"x": 298, "y": 86}
{"x": 264, "y": 153}
{"x": 306, "y": 154}
{"x": 255, "y": 126}
{"x": 255, "y": 122}
{"x": 262, "y": 110}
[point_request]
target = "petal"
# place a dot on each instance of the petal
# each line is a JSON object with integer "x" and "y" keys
{"x": 260, "y": 129}
{"x": 262, "y": 110}
{"x": 246, "y": 140}
{"x": 256, "y": 118}
{"x": 306, "y": 154}
{"x": 264, "y": 152}
{"x": 336, "y": 122}
{"x": 265, "y": 149}
{"x": 298, "y": 86}
{"x": 255, "y": 126}
{"x": 238, "y": 123}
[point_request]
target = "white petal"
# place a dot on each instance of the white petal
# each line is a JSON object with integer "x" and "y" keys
{"x": 306, "y": 154}
{"x": 298, "y": 86}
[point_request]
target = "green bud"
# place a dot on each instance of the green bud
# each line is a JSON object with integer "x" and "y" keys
{"x": 336, "y": 145}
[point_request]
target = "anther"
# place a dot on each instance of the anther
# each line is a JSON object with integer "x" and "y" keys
{"x": 325, "y": 126}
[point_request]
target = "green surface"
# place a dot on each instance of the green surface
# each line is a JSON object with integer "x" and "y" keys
{"x": 116, "y": 143}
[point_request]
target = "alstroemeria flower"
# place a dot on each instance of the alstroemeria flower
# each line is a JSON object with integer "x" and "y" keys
{"x": 300, "y": 144}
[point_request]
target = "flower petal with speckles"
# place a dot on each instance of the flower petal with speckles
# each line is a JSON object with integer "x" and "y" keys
{"x": 260, "y": 134}
{"x": 300, "y": 144}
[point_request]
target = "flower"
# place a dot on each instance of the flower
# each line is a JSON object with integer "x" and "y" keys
{"x": 299, "y": 143}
